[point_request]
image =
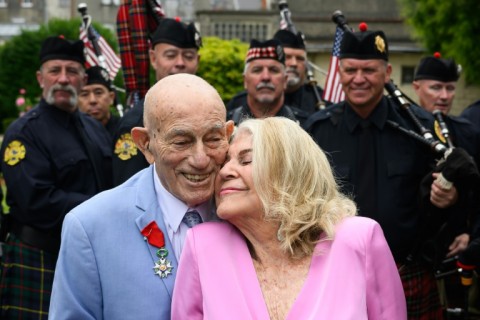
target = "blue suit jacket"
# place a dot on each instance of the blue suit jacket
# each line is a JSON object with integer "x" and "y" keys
{"x": 105, "y": 267}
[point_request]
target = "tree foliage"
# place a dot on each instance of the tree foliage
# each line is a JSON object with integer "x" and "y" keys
{"x": 450, "y": 27}
{"x": 221, "y": 65}
{"x": 19, "y": 58}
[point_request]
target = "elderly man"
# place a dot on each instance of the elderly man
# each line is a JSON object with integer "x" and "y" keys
{"x": 381, "y": 167}
{"x": 97, "y": 96}
{"x": 174, "y": 50}
{"x": 298, "y": 93}
{"x": 120, "y": 250}
{"x": 265, "y": 80}
{"x": 54, "y": 158}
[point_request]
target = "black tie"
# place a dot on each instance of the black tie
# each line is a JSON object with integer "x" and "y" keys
{"x": 366, "y": 170}
{"x": 93, "y": 152}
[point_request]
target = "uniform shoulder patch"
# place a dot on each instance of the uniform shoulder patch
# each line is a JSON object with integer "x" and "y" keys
{"x": 125, "y": 148}
{"x": 14, "y": 153}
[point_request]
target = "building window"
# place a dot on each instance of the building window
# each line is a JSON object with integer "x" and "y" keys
{"x": 408, "y": 73}
{"x": 243, "y": 31}
{"x": 26, "y": 3}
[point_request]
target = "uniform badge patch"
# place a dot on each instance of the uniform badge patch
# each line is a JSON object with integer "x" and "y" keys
{"x": 438, "y": 132}
{"x": 125, "y": 148}
{"x": 14, "y": 153}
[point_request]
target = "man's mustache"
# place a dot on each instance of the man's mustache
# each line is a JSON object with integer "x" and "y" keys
{"x": 265, "y": 85}
{"x": 68, "y": 88}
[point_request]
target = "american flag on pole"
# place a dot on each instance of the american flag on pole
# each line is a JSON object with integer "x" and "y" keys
{"x": 333, "y": 91}
{"x": 111, "y": 61}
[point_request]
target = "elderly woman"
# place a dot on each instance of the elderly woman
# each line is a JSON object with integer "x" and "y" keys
{"x": 291, "y": 247}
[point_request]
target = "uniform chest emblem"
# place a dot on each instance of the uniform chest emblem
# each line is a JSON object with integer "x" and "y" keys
{"x": 125, "y": 148}
{"x": 14, "y": 153}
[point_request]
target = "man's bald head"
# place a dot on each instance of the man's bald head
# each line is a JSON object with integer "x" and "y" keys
{"x": 176, "y": 92}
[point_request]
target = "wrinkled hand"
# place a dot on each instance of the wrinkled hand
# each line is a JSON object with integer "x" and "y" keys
{"x": 440, "y": 197}
{"x": 458, "y": 245}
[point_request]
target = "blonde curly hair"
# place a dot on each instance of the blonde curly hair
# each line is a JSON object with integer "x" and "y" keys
{"x": 295, "y": 184}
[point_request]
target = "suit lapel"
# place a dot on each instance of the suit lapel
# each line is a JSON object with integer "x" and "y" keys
{"x": 146, "y": 202}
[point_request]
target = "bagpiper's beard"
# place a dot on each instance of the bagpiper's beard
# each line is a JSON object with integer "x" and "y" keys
{"x": 293, "y": 78}
{"x": 69, "y": 88}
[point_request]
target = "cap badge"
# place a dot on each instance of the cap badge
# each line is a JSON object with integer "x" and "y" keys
{"x": 380, "y": 44}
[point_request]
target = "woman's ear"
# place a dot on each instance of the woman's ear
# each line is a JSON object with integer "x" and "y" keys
{"x": 142, "y": 140}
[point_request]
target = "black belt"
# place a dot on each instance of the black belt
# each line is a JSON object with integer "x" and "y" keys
{"x": 36, "y": 238}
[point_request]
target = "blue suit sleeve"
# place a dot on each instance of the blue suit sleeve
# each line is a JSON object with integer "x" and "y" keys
{"x": 76, "y": 292}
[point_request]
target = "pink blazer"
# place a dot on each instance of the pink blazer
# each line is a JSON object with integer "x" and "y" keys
{"x": 352, "y": 277}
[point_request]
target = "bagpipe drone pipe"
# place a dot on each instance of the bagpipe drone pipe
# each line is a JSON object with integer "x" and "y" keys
{"x": 101, "y": 59}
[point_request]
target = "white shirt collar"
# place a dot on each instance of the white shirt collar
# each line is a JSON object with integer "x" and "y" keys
{"x": 174, "y": 209}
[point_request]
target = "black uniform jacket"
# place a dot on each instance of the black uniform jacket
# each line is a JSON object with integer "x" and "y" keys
{"x": 46, "y": 166}
{"x": 401, "y": 163}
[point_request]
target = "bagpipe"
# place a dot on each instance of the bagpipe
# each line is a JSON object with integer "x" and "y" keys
{"x": 97, "y": 48}
{"x": 136, "y": 21}
{"x": 285, "y": 15}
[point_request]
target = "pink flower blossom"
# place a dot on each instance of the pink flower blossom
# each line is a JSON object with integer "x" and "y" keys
{"x": 20, "y": 101}
{"x": 22, "y": 91}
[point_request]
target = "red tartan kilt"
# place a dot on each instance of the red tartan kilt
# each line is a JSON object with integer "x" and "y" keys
{"x": 26, "y": 278}
{"x": 421, "y": 292}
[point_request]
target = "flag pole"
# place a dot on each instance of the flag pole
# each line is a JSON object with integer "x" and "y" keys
{"x": 87, "y": 21}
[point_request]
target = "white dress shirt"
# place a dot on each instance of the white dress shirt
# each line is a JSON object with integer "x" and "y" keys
{"x": 173, "y": 210}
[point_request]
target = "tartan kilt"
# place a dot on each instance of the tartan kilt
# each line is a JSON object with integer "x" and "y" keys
{"x": 26, "y": 278}
{"x": 421, "y": 292}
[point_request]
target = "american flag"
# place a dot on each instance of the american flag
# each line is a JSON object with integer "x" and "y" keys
{"x": 333, "y": 91}
{"x": 111, "y": 61}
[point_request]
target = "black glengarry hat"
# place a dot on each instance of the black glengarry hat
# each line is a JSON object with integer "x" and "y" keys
{"x": 270, "y": 49}
{"x": 59, "y": 48}
{"x": 289, "y": 39}
{"x": 177, "y": 33}
{"x": 98, "y": 75}
{"x": 364, "y": 45}
{"x": 436, "y": 68}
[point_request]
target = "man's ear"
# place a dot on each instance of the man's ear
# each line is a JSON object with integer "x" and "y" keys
{"x": 142, "y": 140}
{"x": 230, "y": 127}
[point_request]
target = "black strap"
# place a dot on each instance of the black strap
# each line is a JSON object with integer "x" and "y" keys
{"x": 36, "y": 238}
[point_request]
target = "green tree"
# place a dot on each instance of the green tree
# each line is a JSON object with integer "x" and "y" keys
{"x": 221, "y": 65}
{"x": 450, "y": 27}
{"x": 19, "y": 58}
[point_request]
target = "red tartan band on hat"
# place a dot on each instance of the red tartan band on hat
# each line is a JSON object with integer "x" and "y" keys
{"x": 261, "y": 53}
